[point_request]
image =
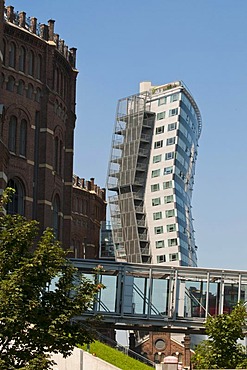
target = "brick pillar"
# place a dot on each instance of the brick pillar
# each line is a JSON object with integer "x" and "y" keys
{"x": 22, "y": 19}
{"x": 51, "y": 24}
{"x": 187, "y": 351}
{"x": 33, "y": 25}
{"x": 10, "y": 13}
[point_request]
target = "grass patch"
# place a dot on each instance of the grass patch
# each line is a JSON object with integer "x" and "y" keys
{"x": 115, "y": 357}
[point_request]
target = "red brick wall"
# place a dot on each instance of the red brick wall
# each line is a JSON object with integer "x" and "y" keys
{"x": 88, "y": 210}
{"x": 56, "y": 85}
{"x": 171, "y": 348}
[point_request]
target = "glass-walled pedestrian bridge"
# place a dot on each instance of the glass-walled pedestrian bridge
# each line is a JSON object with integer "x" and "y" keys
{"x": 163, "y": 298}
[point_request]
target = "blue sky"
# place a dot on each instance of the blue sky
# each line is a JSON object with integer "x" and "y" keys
{"x": 203, "y": 43}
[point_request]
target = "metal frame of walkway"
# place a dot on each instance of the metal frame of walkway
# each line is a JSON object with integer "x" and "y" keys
{"x": 161, "y": 298}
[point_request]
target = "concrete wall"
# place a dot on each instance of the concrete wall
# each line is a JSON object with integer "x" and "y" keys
{"x": 81, "y": 360}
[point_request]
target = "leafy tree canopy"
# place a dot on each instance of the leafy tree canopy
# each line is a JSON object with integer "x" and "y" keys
{"x": 35, "y": 319}
{"x": 221, "y": 350}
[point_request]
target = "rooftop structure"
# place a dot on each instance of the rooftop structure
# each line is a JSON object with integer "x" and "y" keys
{"x": 42, "y": 31}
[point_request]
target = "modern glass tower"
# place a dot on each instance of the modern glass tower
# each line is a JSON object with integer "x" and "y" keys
{"x": 151, "y": 175}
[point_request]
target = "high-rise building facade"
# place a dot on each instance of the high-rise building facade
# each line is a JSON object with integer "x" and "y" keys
{"x": 151, "y": 175}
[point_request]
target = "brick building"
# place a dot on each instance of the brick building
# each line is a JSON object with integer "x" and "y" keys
{"x": 157, "y": 345}
{"x": 37, "y": 120}
{"x": 88, "y": 210}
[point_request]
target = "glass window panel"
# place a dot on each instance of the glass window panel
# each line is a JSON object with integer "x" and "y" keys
{"x": 160, "y": 295}
{"x": 108, "y": 295}
{"x": 160, "y": 244}
{"x": 167, "y": 184}
{"x": 161, "y": 115}
{"x": 155, "y": 187}
{"x": 158, "y": 144}
{"x": 155, "y": 201}
{"x": 157, "y": 158}
{"x": 159, "y": 130}
{"x": 195, "y": 299}
{"x": 162, "y": 100}
{"x": 158, "y": 230}
{"x": 157, "y": 216}
{"x": 156, "y": 173}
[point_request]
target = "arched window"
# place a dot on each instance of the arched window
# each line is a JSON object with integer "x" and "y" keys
{"x": 76, "y": 249}
{"x": 31, "y": 63}
{"x": 10, "y": 84}
{"x": 57, "y": 81}
{"x": 38, "y": 95}
{"x": 39, "y": 67}
{"x": 23, "y": 137}
{"x": 59, "y": 110}
{"x": 20, "y": 87}
{"x": 17, "y": 203}
{"x": 64, "y": 114}
{"x": 30, "y": 91}
{"x": 12, "y": 134}
{"x": 12, "y": 55}
{"x": 65, "y": 87}
{"x": 62, "y": 85}
{"x": 56, "y": 209}
{"x": 60, "y": 157}
{"x": 2, "y": 80}
{"x": 4, "y": 52}
{"x": 56, "y": 106}
{"x": 58, "y": 153}
{"x": 22, "y": 59}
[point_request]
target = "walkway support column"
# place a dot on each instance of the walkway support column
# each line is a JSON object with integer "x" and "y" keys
{"x": 132, "y": 340}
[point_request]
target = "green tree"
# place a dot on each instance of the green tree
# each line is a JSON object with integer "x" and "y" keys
{"x": 221, "y": 350}
{"x": 37, "y": 305}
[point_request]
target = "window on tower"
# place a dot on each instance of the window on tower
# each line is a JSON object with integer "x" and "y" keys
{"x": 168, "y": 170}
{"x": 158, "y": 230}
{"x": 159, "y": 130}
{"x": 157, "y": 158}
{"x": 157, "y": 216}
{"x": 155, "y": 201}
{"x": 162, "y": 100}
{"x": 173, "y": 112}
{"x": 170, "y": 213}
{"x": 156, "y": 173}
{"x": 168, "y": 199}
{"x": 170, "y": 141}
{"x": 174, "y": 97}
{"x": 169, "y": 155}
{"x": 159, "y": 244}
{"x": 173, "y": 257}
{"x": 170, "y": 228}
{"x": 158, "y": 144}
{"x": 167, "y": 184}
{"x": 161, "y": 115}
{"x": 155, "y": 187}
{"x": 161, "y": 259}
{"x": 172, "y": 242}
{"x": 172, "y": 126}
